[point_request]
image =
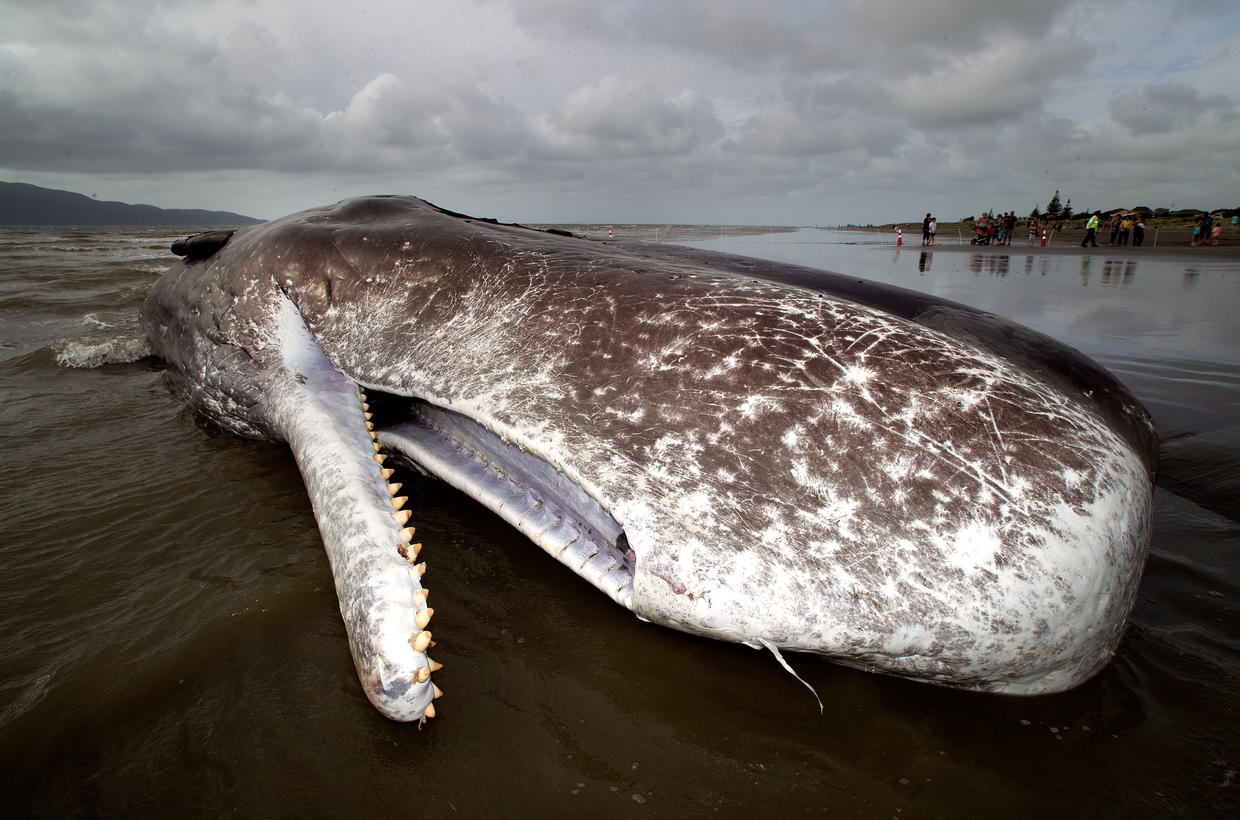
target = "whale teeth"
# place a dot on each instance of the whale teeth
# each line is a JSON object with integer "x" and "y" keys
{"x": 423, "y": 674}
{"x": 394, "y": 488}
{"x": 399, "y": 501}
{"x": 374, "y": 436}
{"x": 367, "y": 416}
{"x": 380, "y": 457}
{"x": 420, "y": 641}
{"x": 377, "y": 446}
{"x": 370, "y": 425}
{"x": 402, "y": 517}
{"x": 430, "y": 710}
{"x": 409, "y": 551}
{"x": 426, "y": 593}
{"x": 423, "y": 617}
{"x": 387, "y": 472}
{"x": 406, "y": 535}
{"x": 438, "y": 692}
{"x": 421, "y": 568}
{"x": 434, "y": 665}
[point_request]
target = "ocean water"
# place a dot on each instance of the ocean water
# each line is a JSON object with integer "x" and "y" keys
{"x": 170, "y": 642}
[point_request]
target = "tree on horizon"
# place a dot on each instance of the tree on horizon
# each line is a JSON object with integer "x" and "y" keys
{"x": 1053, "y": 208}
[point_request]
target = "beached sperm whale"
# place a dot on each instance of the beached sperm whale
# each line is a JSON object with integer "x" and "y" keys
{"x": 744, "y": 450}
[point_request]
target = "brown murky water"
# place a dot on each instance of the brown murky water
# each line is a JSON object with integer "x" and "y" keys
{"x": 170, "y": 642}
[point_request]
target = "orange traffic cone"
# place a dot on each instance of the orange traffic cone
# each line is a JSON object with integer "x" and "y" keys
{"x": 899, "y": 236}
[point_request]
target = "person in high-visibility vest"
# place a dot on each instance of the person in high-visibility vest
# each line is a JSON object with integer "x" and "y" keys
{"x": 1091, "y": 232}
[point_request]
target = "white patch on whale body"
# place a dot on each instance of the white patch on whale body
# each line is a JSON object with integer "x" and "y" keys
{"x": 972, "y": 546}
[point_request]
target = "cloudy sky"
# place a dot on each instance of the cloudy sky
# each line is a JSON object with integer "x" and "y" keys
{"x": 804, "y": 112}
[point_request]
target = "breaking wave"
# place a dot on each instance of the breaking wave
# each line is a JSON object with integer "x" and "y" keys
{"x": 97, "y": 351}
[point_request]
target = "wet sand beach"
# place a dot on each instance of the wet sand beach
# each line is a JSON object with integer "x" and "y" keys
{"x": 1184, "y": 253}
{"x": 1159, "y": 242}
{"x": 172, "y": 642}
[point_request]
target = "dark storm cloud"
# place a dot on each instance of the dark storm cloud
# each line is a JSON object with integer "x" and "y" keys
{"x": 699, "y": 102}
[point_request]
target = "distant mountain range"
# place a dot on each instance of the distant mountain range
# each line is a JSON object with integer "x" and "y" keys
{"x": 22, "y": 204}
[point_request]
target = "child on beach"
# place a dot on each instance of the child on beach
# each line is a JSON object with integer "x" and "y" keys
{"x": 1216, "y": 234}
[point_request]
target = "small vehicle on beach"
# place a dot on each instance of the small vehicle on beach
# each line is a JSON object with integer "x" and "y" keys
{"x": 981, "y": 235}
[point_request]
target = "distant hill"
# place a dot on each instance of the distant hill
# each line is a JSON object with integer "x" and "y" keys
{"x": 22, "y": 204}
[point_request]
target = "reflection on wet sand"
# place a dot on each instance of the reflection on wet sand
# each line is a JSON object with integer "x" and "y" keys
{"x": 999, "y": 264}
{"x": 923, "y": 263}
{"x": 994, "y": 264}
{"x": 1118, "y": 271}
{"x": 1114, "y": 271}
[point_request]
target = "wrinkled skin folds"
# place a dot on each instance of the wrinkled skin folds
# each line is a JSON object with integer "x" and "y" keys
{"x": 743, "y": 450}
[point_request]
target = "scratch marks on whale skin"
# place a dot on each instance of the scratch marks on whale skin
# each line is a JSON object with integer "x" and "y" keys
{"x": 918, "y": 471}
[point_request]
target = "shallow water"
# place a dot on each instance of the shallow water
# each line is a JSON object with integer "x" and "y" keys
{"x": 170, "y": 641}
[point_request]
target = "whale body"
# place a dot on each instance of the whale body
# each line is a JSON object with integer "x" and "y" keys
{"x": 744, "y": 450}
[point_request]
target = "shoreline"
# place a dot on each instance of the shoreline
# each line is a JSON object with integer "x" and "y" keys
{"x": 1215, "y": 253}
{"x": 1174, "y": 240}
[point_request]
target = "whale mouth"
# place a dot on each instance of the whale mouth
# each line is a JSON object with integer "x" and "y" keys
{"x": 529, "y": 493}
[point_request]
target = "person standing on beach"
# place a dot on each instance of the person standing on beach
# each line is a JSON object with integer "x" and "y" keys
{"x": 1125, "y": 230}
{"x": 1009, "y": 227}
{"x": 1138, "y": 232}
{"x": 925, "y": 230}
{"x": 933, "y": 228}
{"x": 1114, "y": 228}
{"x": 1216, "y": 233}
{"x": 1091, "y": 232}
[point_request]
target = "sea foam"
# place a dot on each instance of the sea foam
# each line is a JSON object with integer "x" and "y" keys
{"x": 100, "y": 350}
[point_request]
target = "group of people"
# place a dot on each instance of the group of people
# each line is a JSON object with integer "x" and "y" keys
{"x": 1126, "y": 228}
{"x": 998, "y": 230}
{"x": 1123, "y": 227}
{"x": 1205, "y": 227}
